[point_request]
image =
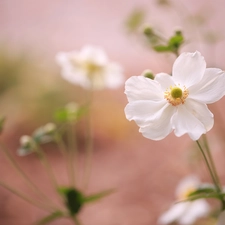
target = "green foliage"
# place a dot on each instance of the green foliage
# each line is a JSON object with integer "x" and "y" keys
{"x": 172, "y": 45}
{"x": 98, "y": 196}
{"x": 206, "y": 191}
{"x": 53, "y": 216}
{"x": 70, "y": 113}
{"x": 74, "y": 199}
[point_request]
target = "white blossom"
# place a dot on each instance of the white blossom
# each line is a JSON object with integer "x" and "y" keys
{"x": 185, "y": 213}
{"x": 90, "y": 68}
{"x": 176, "y": 102}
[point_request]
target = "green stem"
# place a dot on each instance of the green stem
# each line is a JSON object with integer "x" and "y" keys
{"x": 75, "y": 220}
{"x": 22, "y": 174}
{"x": 48, "y": 167}
{"x": 89, "y": 143}
{"x": 66, "y": 155}
{"x": 212, "y": 175}
{"x": 211, "y": 159}
{"x": 72, "y": 153}
{"x": 36, "y": 203}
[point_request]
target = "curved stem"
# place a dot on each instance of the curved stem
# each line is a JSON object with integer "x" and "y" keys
{"x": 72, "y": 153}
{"x": 211, "y": 159}
{"x": 66, "y": 155}
{"x": 48, "y": 167}
{"x": 36, "y": 203}
{"x": 212, "y": 175}
{"x": 89, "y": 143}
{"x": 22, "y": 174}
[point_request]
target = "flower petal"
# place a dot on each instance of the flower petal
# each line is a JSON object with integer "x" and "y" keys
{"x": 165, "y": 80}
{"x": 114, "y": 75}
{"x": 93, "y": 54}
{"x": 161, "y": 126}
{"x": 144, "y": 111}
{"x": 193, "y": 118}
{"x": 142, "y": 88}
{"x": 188, "y": 69}
{"x": 174, "y": 213}
{"x": 210, "y": 88}
{"x": 196, "y": 209}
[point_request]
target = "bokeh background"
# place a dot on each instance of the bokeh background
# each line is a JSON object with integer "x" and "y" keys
{"x": 143, "y": 172}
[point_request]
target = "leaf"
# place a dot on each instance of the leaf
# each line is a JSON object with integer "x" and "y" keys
{"x": 2, "y": 123}
{"x": 49, "y": 218}
{"x": 176, "y": 41}
{"x": 205, "y": 190}
{"x": 162, "y": 48}
{"x": 95, "y": 197}
{"x": 73, "y": 199}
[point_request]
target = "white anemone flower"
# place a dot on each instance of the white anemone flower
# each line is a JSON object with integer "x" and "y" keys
{"x": 176, "y": 102}
{"x": 186, "y": 213}
{"x": 90, "y": 68}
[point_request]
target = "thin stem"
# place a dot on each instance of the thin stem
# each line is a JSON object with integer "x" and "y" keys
{"x": 22, "y": 174}
{"x": 211, "y": 159}
{"x": 72, "y": 153}
{"x": 212, "y": 175}
{"x": 36, "y": 203}
{"x": 208, "y": 166}
{"x": 66, "y": 155}
{"x": 48, "y": 167}
{"x": 75, "y": 220}
{"x": 89, "y": 143}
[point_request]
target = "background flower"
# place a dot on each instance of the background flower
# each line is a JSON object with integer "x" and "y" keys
{"x": 176, "y": 102}
{"x": 90, "y": 68}
{"x": 185, "y": 213}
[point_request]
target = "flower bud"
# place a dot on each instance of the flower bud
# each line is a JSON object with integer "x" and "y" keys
{"x": 148, "y": 74}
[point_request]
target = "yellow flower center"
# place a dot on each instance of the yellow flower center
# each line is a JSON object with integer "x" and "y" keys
{"x": 175, "y": 95}
{"x": 92, "y": 68}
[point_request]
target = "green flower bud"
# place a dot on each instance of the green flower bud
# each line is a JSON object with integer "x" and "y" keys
{"x": 148, "y": 74}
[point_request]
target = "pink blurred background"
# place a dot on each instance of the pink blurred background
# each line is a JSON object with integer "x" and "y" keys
{"x": 144, "y": 172}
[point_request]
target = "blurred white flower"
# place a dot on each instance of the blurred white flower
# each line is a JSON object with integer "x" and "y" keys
{"x": 176, "y": 102}
{"x": 221, "y": 219}
{"x": 90, "y": 68}
{"x": 185, "y": 213}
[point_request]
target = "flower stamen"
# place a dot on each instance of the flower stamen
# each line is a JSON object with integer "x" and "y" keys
{"x": 175, "y": 95}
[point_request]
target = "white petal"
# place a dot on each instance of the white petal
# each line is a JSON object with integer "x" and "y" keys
{"x": 211, "y": 88}
{"x": 192, "y": 118}
{"x": 142, "y": 88}
{"x": 161, "y": 126}
{"x": 165, "y": 80}
{"x": 144, "y": 111}
{"x": 114, "y": 75}
{"x": 93, "y": 54}
{"x": 174, "y": 213}
{"x": 221, "y": 219}
{"x": 197, "y": 209}
{"x": 188, "y": 69}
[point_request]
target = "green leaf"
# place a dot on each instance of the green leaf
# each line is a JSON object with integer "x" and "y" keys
{"x": 2, "y": 123}
{"x": 74, "y": 199}
{"x": 176, "y": 40}
{"x": 67, "y": 115}
{"x": 162, "y": 48}
{"x": 95, "y": 197}
{"x": 205, "y": 190}
{"x": 50, "y": 218}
